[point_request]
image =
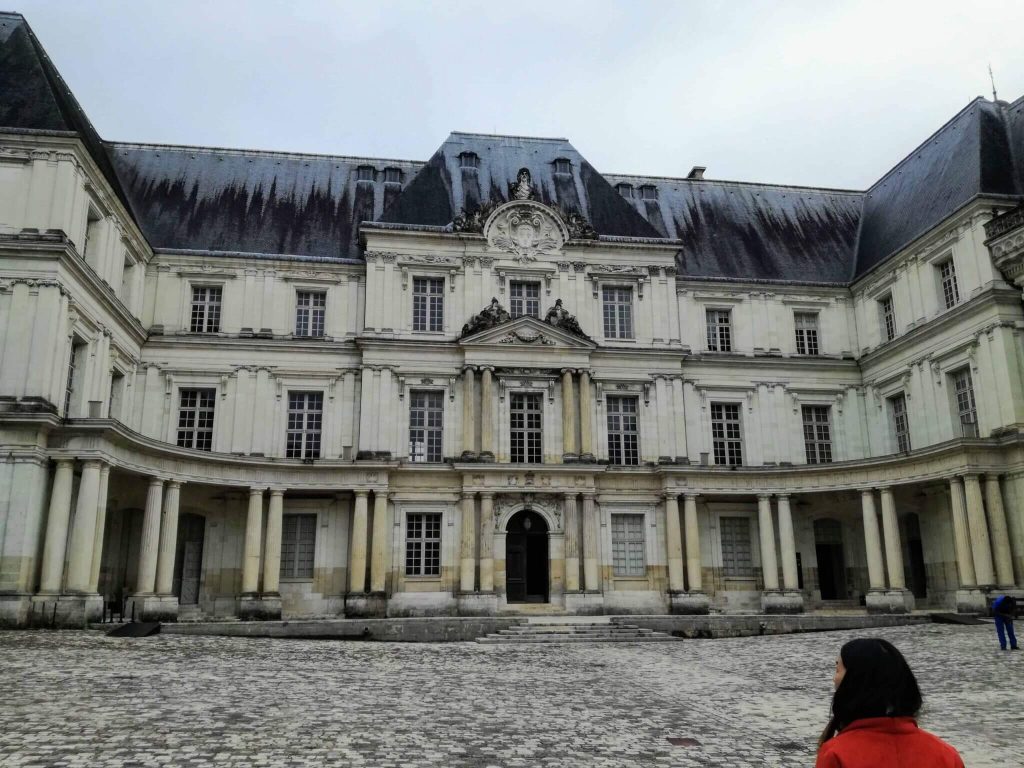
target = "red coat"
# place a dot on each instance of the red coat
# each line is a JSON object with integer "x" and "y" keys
{"x": 886, "y": 742}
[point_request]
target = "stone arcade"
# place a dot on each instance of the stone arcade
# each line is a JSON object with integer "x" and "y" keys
{"x": 256, "y": 384}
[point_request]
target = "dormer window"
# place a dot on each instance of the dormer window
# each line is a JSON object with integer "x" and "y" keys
{"x": 469, "y": 160}
{"x": 563, "y": 166}
{"x": 649, "y": 192}
{"x": 626, "y": 190}
{"x": 364, "y": 173}
{"x": 392, "y": 175}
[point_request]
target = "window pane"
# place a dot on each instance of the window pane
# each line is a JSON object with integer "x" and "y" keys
{"x": 305, "y": 421}
{"x": 617, "y": 309}
{"x": 423, "y": 545}
{"x": 526, "y": 428}
{"x": 817, "y": 434}
{"x": 426, "y": 418}
{"x": 628, "y": 550}
{"x": 623, "y": 435}
{"x": 965, "y": 405}
{"x": 726, "y": 437}
{"x": 195, "y": 418}
{"x": 719, "y": 325}
{"x": 298, "y": 546}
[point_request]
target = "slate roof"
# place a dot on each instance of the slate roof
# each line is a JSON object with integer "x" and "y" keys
{"x": 752, "y": 231}
{"x": 235, "y": 201}
{"x": 444, "y": 187}
{"x": 202, "y": 199}
{"x": 968, "y": 156}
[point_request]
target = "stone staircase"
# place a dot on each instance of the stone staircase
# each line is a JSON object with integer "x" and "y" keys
{"x": 573, "y": 629}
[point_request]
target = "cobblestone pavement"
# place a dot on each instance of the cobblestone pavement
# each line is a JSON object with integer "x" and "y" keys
{"x": 80, "y": 698}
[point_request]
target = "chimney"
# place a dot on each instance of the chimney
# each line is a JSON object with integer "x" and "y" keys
{"x": 696, "y": 173}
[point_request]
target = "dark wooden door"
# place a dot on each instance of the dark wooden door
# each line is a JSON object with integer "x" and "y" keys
{"x": 526, "y": 558}
{"x": 515, "y": 567}
{"x": 189, "y": 560}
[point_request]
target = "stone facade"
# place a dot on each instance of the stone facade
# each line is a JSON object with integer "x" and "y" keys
{"x": 214, "y": 434}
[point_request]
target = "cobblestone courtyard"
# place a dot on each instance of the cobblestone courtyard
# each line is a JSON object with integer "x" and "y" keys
{"x": 80, "y": 698}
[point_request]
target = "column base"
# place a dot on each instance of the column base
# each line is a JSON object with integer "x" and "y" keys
{"x": 15, "y": 610}
{"x": 570, "y": 458}
{"x": 584, "y": 603}
{"x": 782, "y": 601}
{"x": 163, "y": 608}
{"x": 588, "y": 458}
{"x": 486, "y": 457}
{"x": 477, "y": 603}
{"x": 253, "y": 607}
{"x": 64, "y": 611}
{"x": 366, "y": 605}
{"x": 689, "y": 603}
{"x": 889, "y": 601}
{"x": 971, "y": 600}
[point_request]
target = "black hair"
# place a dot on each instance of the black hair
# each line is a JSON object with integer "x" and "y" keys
{"x": 878, "y": 683}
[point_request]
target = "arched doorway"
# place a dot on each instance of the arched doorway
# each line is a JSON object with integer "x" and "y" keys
{"x": 828, "y": 546}
{"x": 188, "y": 561}
{"x": 526, "y": 558}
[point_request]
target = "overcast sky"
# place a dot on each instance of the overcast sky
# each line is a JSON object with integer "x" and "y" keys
{"x": 818, "y": 93}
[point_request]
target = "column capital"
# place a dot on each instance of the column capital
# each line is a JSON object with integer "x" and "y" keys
{"x": 154, "y": 481}
{"x": 971, "y": 473}
{"x": 91, "y": 462}
{"x": 486, "y": 494}
{"x": 588, "y": 495}
{"x": 781, "y": 496}
{"x": 764, "y": 497}
{"x": 691, "y": 494}
{"x": 583, "y": 372}
{"x": 361, "y": 493}
{"x": 64, "y": 460}
{"x": 467, "y": 495}
{"x": 256, "y": 492}
{"x": 570, "y": 371}
{"x": 668, "y": 495}
{"x": 485, "y": 368}
{"x": 867, "y": 492}
{"x": 174, "y": 484}
{"x": 468, "y": 368}
{"x": 277, "y": 491}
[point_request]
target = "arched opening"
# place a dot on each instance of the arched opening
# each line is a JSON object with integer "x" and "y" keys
{"x": 828, "y": 546}
{"x": 188, "y": 560}
{"x": 526, "y": 558}
{"x": 913, "y": 557}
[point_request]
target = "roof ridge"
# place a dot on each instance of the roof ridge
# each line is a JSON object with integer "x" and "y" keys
{"x": 732, "y": 181}
{"x": 935, "y": 133}
{"x": 261, "y": 152}
{"x": 509, "y": 136}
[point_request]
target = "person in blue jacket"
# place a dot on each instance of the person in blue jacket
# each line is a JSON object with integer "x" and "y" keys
{"x": 1004, "y": 608}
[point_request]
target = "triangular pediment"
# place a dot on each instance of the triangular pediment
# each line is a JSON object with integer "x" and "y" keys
{"x": 527, "y": 332}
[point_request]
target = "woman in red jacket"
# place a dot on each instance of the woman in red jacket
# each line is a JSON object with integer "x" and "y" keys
{"x": 873, "y": 709}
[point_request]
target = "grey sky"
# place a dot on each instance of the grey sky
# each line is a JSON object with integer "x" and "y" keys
{"x": 819, "y": 93}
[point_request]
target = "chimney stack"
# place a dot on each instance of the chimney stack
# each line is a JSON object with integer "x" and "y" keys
{"x": 696, "y": 173}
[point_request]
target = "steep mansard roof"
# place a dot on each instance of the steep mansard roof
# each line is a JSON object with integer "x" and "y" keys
{"x": 206, "y": 199}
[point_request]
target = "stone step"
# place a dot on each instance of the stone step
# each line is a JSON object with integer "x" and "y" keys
{"x": 514, "y": 631}
{"x": 577, "y": 632}
{"x": 492, "y": 640}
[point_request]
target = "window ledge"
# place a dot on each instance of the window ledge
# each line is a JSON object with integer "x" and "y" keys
{"x": 284, "y": 580}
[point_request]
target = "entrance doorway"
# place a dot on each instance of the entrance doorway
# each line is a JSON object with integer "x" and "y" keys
{"x": 526, "y": 558}
{"x": 828, "y": 546}
{"x": 188, "y": 560}
{"x": 913, "y": 556}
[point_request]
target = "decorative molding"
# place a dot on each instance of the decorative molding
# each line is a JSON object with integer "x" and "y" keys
{"x": 526, "y": 230}
{"x": 513, "y": 336}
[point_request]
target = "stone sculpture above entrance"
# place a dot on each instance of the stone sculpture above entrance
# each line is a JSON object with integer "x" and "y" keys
{"x": 525, "y": 229}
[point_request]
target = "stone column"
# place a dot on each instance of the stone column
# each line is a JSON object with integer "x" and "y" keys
{"x": 961, "y": 537}
{"x": 893, "y": 549}
{"x": 568, "y": 416}
{"x": 769, "y": 564}
{"x": 168, "y": 540}
{"x": 586, "y": 418}
{"x": 468, "y": 428}
{"x": 872, "y": 540}
{"x": 272, "y": 553}
{"x": 591, "y": 575}
{"x": 253, "y": 538}
{"x": 83, "y": 530}
{"x": 787, "y": 541}
{"x": 55, "y": 545}
{"x": 1000, "y": 532}
{"x": 486, "y": 542}
{"x": 150, "y": 544}
{"x": 488, "y": 446}
{"x": 101, "y": 528}
{"x": 357, "y": 548}
{"x": 467, "y": 564}
{"x": 572, "y": 543}
{"x": 674, "y": 539}
{"x": 378, "y": 556}
{"x": 693, "y": 564}
{"x": 981, "y": 546}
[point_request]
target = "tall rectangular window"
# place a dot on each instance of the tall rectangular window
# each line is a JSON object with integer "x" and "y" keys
{"x": 423, "y": 545}
{"x": 426, "y": 426}
{"x": 628, "y": 550}
{"x": 525, "y": 416}
{"x": 806, "y": 332}
{"x": 298, "y": 546}
{"x": 309, "y": 313}
{"x": 888, "y": 315}
{"x": 618, "y": 312}
{"x": 719, "y": 330}
{"x": 524, "y": 299}
{"x": 726, "y": 437}
{"x": 947, "y": 276}
{"x": 305, "y": 421}
{"x": 205, "y": 308}
{"x": 428, "y": 304}
{"x": 195, "y": 418}
{"x": 817, "y": 434}
{"x": 623, "y": 438}
{"x": 736, "y": 547}
{"x": 965, "y": 406}
{"x": 900, "y": 424}
{"x": 73, "y": 375}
